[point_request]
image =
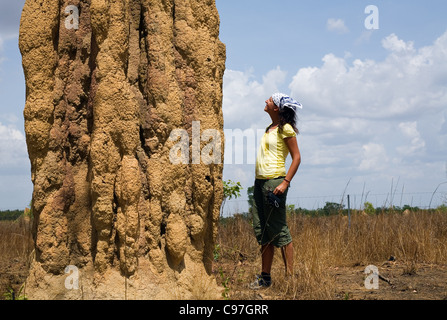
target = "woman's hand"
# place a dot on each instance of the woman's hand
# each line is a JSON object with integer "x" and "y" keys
{"x": 281, "y": 188}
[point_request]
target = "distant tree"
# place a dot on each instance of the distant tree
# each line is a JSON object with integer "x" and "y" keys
{"x": 290, "y": 209}
{"x": 10, "y": 214}
{"x": 369, "y": 208}
{"x": 305, "y": 212}
{"x": 410, "y": 208}
{"x": 29, "y": 210}
{"x": 251, "y": 200}
{"x": 231, "y": 190}
{"x": 332, "y": 208}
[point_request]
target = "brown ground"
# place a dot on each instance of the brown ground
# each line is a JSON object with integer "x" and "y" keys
{"x": 12, "y": 275}
{"x": 319, "y": 275}
{"x": 426, "y": 282}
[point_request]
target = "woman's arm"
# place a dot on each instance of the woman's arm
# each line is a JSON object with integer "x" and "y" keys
{"x": 292, "y": 144}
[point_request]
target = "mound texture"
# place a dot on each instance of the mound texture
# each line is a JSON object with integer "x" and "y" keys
{"x": 107, "y": 82}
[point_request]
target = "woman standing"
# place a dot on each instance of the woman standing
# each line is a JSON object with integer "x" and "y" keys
{"x": 272, "y": 183}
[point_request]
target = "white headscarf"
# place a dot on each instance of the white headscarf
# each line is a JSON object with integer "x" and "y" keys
{"x": 282, "y": 100}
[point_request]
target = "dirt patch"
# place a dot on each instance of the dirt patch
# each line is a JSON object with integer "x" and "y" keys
{"x": 13, "y": 274}
{"x": 425, "y": 282}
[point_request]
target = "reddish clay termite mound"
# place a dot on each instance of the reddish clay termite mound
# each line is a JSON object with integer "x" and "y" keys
{"x": 107, "y": 83}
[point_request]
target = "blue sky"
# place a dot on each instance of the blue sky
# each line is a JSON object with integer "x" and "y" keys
{"x": 374, "y": 123}
{"x": 294, "y": 34}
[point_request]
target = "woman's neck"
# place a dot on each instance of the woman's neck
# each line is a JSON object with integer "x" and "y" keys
{"x": 275, "y": 119}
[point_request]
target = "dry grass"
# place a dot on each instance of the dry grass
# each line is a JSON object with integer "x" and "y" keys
{"x": 15, "y": 238}
{"x": 323, "y": 243}
{"x": 15, "y": 248}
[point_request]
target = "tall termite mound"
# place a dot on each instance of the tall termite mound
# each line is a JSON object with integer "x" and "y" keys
{"x": 107, "y": 82}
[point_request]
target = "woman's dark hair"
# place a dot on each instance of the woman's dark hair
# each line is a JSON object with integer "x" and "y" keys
{"x": 287, "y": 116}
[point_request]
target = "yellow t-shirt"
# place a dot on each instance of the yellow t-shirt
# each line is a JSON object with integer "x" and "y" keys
{"x": 272, "y": 153}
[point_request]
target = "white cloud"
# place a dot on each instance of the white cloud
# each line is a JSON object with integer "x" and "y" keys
{"x": 393, "y": 43}
{"x": 387, "y": 109}
{"x": 13, "y": 151}
{"x": 1, "y": 50}
{"x": 374, "y": 157}
{"x": 15, "y": 174}
{"x": 337, "y": 25}
{"x": 244, "y": 97}
{"x": 406, "y": 83}
{"x": 365, "y": 37}
{"x": 409, "y": 129}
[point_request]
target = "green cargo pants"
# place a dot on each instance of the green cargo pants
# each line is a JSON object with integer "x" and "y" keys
{"x": 269, "y": 222}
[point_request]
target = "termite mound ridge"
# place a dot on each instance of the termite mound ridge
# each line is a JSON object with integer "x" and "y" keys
{"x": 101, "y": 101}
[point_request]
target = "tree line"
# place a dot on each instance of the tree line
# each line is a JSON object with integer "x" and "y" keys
{"x": 10, "y": 214}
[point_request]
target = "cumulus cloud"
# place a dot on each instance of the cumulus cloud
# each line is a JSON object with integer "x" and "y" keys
{"x": 244, "y": 97}
{"x": 13, "y": 152}
{"x": 392, "y": 111}
{"x": 1, "y": 51}
{"x": 416, "y": 143}
{"x": 374, "y": 157}
{"x": 337, "y": 26}
{"x": 15, "y": 173}
{"x": 406, "y": 83}
{"x": 394, "y": 44}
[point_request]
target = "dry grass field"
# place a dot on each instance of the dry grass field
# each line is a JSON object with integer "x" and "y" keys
{"x": 409, "y": 250}
{"x": 15, "y": 248}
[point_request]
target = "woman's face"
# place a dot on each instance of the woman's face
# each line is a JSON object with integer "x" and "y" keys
{"x": 270, "y": 105}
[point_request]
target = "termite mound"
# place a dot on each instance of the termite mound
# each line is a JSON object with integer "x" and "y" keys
{"x": 106, "y": 84}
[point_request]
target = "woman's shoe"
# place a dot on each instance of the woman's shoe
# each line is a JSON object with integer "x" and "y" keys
{"x": 261, "y": 282}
